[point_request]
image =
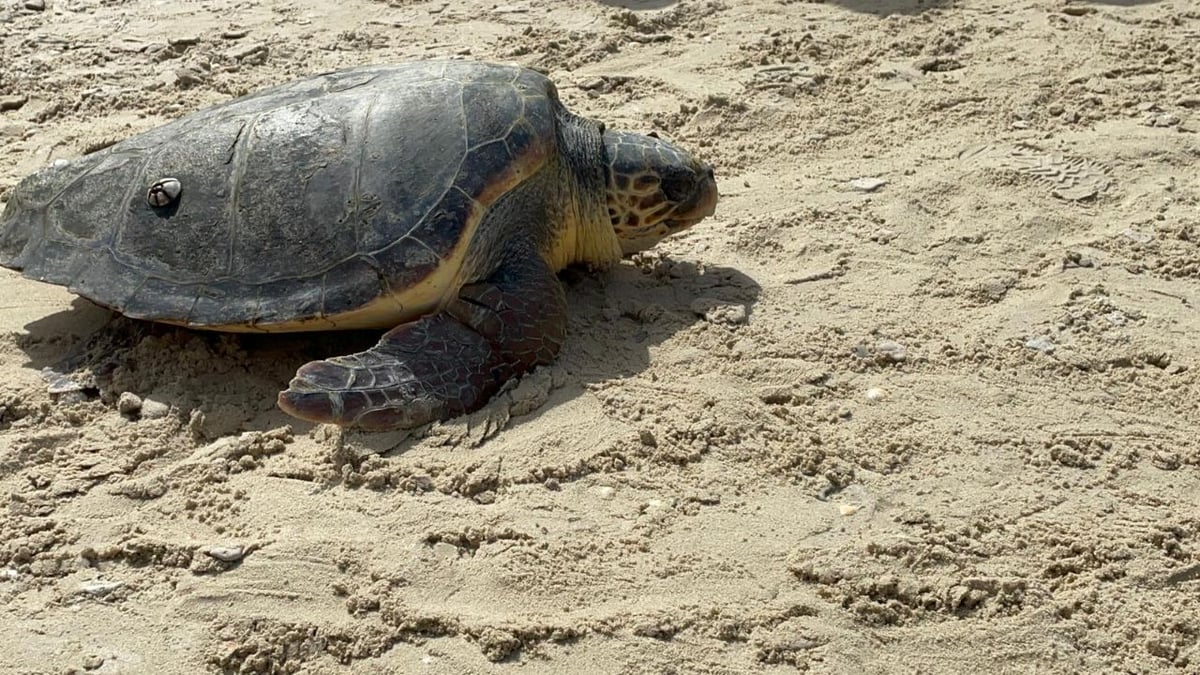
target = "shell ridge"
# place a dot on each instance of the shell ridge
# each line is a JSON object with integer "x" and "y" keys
{"x": 427, "y": 247}
{"x": 132, "y": 294}
{"x": 420, "y": 221}
{"x": 356, "y": 189}
{"x": 70, "y": 184}
{"x": 126, "y": 202}
{"x": 462, "y": 160}
{"x": 199, "y": 289}
{"x": 231, "y": 153}
{"x": 324, "y": 284}
{"x": 240, "y": 148}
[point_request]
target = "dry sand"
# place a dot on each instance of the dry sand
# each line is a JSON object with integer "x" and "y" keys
{"x": 921, "y": 398}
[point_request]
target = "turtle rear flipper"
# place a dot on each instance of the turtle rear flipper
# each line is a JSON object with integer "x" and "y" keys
{"x": 444, "y": 365}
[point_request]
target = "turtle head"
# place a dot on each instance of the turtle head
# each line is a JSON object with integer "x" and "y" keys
{"x": 655, "y": 189}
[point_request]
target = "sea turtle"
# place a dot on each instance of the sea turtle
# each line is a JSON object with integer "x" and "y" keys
{"x": 436, "y": 199}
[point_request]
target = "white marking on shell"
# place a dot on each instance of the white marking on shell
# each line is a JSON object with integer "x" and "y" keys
{"x": 164, "y": 192}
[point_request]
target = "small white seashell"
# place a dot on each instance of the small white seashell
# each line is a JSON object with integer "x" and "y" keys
{"x": 99, "y": 587}
{"x": 229, "y": 554}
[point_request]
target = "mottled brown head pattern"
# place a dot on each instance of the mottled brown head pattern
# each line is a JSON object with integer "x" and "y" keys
{"x": 655, "y": 189}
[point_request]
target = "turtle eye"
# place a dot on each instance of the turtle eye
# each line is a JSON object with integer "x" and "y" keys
{"x": 678, "y": 187}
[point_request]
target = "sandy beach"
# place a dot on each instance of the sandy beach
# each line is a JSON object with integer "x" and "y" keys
{"x": 922, "y": 397}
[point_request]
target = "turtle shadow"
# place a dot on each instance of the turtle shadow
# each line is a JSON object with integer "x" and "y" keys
{"x": 615, "y": 320}
{"x": 232, "y": 379}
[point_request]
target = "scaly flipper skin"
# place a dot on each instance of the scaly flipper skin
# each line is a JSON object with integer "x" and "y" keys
{"x": 445, "y": 364}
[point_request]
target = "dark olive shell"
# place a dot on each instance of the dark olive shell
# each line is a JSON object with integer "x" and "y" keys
{"x": 307, "y": 200}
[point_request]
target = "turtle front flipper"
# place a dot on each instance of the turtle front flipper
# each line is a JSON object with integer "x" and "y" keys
{"x": 445, "y": 364}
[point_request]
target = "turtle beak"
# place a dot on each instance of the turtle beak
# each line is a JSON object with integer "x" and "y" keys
{"x": 702, "y": 204}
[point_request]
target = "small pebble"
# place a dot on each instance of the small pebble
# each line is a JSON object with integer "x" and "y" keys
{"x": 1165, "y": 460}
{"x": 1075, "y": 259}
{"x": 1164, "y": 120}
{"x": 129, "y": 404}
{"x": 605, "y": 492}
{"x": 12, "y": 102}
{"x": 875, "y": 394}
{"x": 92, "y": 662}
{"x": 229, "y": 554}
{"x": 61, "y": 164}
{"x": 1137, "y": 236}
{"x": 99, "y": 588}
{"x": 925, "y": 65}
{"x": 848, "y": 509}
{"x": 718, "y": 311}
{"x": 883, "y": 235}
{"x": 152, "y": 410}
{"x": 252, "y": 54}
{"x": 35, "y": 5}
{"x": 59, "y": 383}
{"x": 936, "y": 64}
{"x": 446, "y": 550}
{"x": 188, "y": 77}
{"x": 868, "y": 184}
{"x": 891, "y": 351}
{"x": 1117, "y": 318}
{"x": 744, "y": 347}
{"x": 775, "y": 394}
{"x": 1042, "y": 343}
{"x": 736, "y": 314}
